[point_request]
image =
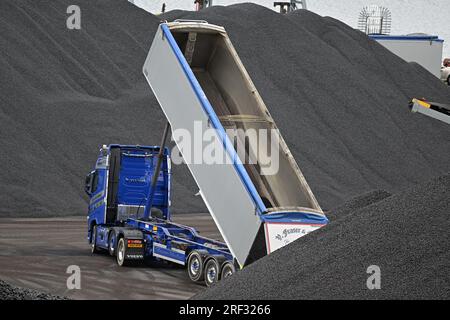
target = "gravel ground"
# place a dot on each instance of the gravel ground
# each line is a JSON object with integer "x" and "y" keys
{"x": 405, "y": 235}
{"x": 9, "y": 292}
{"x": 339, "y": 99}
{"x": 30, "y": 260}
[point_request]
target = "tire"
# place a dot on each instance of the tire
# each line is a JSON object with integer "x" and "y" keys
{"x": 111, "y": 241}
{"x": 448, "y": 80}
{"x": 228, "y": 270}
{"x": 94, "y": 248}
{"x": 121, "y": 253}
{"x": 195, "y": 266}
{"x": 212, "y": 272}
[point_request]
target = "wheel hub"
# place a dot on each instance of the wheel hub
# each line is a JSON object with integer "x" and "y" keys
{"x": 227, "y": 273}
{"x": 211, "y": 274}
{"x": 195, "y": 266}
{"x": 120, "y": 253}
{"x": 111, "y": 244}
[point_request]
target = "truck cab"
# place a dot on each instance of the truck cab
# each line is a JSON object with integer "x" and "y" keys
{"x": 119, "y": 186}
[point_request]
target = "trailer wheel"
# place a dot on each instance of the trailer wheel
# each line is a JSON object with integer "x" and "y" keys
{"x": 94, "y": 248}
{"x": 228, "y": 269}
{"x": 121, "y": 252}
{"x": 111, "y": 242}
{"x": 195, "y": 266}
{"x": 212, "y": 272}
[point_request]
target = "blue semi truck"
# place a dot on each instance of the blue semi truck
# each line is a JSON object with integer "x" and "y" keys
{"x": 258, "y": 206}
{"x": 120, "y": 190}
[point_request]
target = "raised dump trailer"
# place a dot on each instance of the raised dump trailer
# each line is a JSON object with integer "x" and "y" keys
{"x": 202, "y": 86}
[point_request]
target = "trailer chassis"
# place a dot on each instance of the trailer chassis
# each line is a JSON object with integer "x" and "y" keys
{"x": 157, "y": 239}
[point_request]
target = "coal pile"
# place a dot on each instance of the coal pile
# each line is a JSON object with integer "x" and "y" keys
{"x": 339, "y": 99}
{"x": 356, "y": 203}
{"x": 405, "y": 235}
{"x": 9, "y": 292}
{"x": 64, "y": 93}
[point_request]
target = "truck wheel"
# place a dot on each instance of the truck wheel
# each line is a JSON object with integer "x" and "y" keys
{"x": 121, "y": 252}
{"x": 94, "y": 248}
{"x": 195, "y": 266}
{"x": 111, "y": 242}
{"x": 212, "y": 272}
{"x": 227, "y": 270}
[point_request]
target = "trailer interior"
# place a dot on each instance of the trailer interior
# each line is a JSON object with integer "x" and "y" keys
{"x": 220, "y": 72}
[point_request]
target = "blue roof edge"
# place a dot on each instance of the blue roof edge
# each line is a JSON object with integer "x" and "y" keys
{"x": 417, "y": 38}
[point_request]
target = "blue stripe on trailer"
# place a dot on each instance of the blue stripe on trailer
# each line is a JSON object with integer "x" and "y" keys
{"x": 215, "y": 121}
{"x": 161, "y": 251}
{"x": 295, "y": 217}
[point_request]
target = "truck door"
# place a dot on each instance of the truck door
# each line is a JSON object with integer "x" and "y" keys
{"x": 95, "y": 182}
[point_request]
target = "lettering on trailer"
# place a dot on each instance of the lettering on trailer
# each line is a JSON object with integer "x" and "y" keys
{"x": 136, "y": 180}
{"x": 280, "y": 234}
{"x": 286, "y": 232}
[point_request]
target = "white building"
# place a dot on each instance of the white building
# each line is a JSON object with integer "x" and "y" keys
{"x": 426, "y": 50}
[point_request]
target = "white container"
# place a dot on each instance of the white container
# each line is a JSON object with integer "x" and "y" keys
{"x": 426, "y": 50}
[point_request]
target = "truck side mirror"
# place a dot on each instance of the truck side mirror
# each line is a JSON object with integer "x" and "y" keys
{"x": 88, "y": 183}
